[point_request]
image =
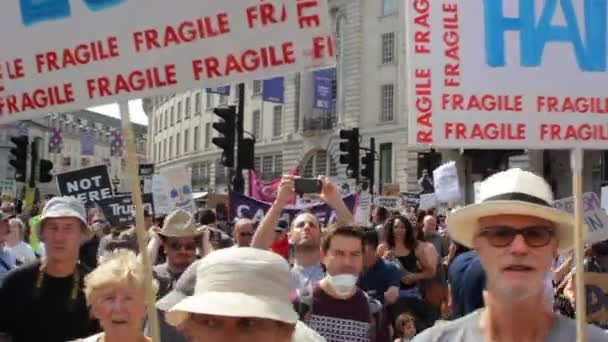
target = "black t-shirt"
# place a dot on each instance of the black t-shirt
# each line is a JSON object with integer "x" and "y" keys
{"x": 46, "y": 314}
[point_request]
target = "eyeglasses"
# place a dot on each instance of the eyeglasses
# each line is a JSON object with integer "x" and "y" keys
{"x": 503, "y": 236}
{"x": 187, "y": 246}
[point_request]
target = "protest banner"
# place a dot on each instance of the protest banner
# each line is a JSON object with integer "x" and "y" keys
{"x": 363, "y": 209}
{"x": 391, "y": 189}
{"x": 171, "y": 190}
{"x": 8, "y": 189}
{"x": 428, "y": 201}
{"x": 74, "y": 58}
{"x": 247, "y": 207}
{"x": 410, "y": 199}
{"x": 596, "y": 219}
{"x": 146, "y": 171}
{"x": 596, "y": 290}
{"x": 478, "y": 80}
{"x": 89, "y": 185}
{"x": 120, "y": 211}
{"x": 447, "y": 187}
{"x": 392, "y": 203}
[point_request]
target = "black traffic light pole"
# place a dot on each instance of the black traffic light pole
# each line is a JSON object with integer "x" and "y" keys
{"x": 239, "y": 181}
{"x": 371, "y": 164}
{"x": 34, "y": 163}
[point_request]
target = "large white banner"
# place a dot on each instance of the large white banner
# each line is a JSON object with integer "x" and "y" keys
{"x": 58, "y": 55}
{"x": 507, "y": 73}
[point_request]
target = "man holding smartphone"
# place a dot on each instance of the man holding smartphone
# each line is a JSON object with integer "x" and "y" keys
{"x": 305, "y": 230}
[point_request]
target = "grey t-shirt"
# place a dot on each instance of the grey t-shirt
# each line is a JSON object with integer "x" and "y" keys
{"x": 466, "y": 329}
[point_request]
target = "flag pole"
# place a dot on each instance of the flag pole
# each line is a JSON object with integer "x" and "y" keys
{"x": 577, "y": 188}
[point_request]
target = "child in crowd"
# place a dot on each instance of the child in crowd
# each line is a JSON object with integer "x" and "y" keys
{"x": 406, "y": 329}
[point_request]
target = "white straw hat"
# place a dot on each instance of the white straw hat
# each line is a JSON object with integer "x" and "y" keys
{"x": 511, "y": 192}
{"x": 64, "y": 207}
{"x": 179, "y": 223}
{"x": 239, "y": 282}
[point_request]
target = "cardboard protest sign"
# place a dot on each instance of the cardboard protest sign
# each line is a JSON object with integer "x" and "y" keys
{"x": 392, "y": 203}
{"x": 82, "y": 53}
{"x": 495, "y": 74}
{"x": 428, "y": 201}
{"x": 119, "y": 209}
{"x": 447, "y": 187}
{"x": 171, "y": 190}
{"x": 91, "y": 184}
{"x": 391, "y": 189}
{"x": 363, "y": 209}
{"x": 596, "y": 219}
{"x": 244, "y": 206}
{"x": 8, "y": 189}
{"x": 596, "y": 289}
{"x": 146, "y": 171}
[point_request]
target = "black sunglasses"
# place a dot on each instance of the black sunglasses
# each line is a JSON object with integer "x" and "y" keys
{"x": 503, "y": 236}
{"x": 187, "y": 246}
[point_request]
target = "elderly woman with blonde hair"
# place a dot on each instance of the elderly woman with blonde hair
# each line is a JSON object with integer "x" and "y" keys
{"x": 116, "y": 297}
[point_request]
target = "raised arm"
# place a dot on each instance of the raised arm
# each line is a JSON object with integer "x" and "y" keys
{"x": 264, "y": 235}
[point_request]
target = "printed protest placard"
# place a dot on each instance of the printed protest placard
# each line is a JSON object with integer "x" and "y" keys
{"x": 88, "y": 185}
{"x": 447, "y": 187}
{"x": 8, "y": 189}
{"x": 496, "y": 74}
{"x": 119, "y": 209}
{"x": 596, "y": 288}
{"x": 411, "y": 199}
{"x": 363, "y": 209}
{"x": 392, "y": 203}
{"x": 244, "y": 206}
{"x": 428, "y": 201}
{"x": 82, "y": 53}
{"x": 596, "y": 219}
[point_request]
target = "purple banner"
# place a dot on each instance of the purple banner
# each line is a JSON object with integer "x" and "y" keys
{"x": 220, "y": 90}
{"x": 274, "y": 90}
{"x": 323, "y": 88}
{"x": 87, "y": 142}
{"x": 248, "y": 207}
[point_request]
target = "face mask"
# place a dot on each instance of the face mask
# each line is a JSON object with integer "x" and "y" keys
{"x": 343, "y": 284}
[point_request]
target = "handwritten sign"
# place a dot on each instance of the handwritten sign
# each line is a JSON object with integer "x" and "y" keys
{"x": 81, "y": 53}
{"x": 363, "y": 209}
{"x": 392, "y": 203}
{"x": 89, "y": 185}
{"x": 8, "y": 189}
{"x": 595, "y": 218}
{"x": 596, "y": 288}
{"x": 447, "y": 187}
{"x": 497, "y": 74}
{"x": 428, "y": 201}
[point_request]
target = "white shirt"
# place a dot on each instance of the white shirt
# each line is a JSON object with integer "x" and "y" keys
{"x": 22, "y": 252}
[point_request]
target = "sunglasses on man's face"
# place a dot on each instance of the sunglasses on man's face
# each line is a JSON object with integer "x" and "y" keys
{"x": 190, "y": 246}
{"x": 503, "y": 236}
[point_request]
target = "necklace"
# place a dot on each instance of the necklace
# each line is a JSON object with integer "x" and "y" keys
{"x": 75, "y": 283}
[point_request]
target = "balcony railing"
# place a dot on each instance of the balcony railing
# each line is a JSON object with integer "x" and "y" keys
{"x": 323, "y": 122}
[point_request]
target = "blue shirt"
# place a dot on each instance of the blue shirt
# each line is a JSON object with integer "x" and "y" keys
{"x": 379, "y": 278}
{"x": 7, "y": 263}
{"x": 467, "y": 281}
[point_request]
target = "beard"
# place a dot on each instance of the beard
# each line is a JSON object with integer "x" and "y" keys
{"x": 307, "y": 246}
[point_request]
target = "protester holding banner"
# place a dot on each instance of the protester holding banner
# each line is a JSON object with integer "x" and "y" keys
{"x": 516, "y": 234}
{"x": 44, "y": 301}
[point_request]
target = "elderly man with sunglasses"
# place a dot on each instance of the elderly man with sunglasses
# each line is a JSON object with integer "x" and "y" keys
{"x": 517, "y": 234}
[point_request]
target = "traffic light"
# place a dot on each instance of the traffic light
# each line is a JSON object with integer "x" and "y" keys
{"x": 225, "y": 128}
{"x": 19, "y": 160}
{"x": 246, "y": 152}
{"x": 350, "y": 151}
{"x": 367, "y": 165}
{"x": 45, "y": 171}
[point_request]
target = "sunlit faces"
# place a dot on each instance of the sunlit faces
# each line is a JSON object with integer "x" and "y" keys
{"x": 208, "y": 328}
{"x": 305, "y": 231}
{"x": 119, "y": 307}
{"x": 344, "y": 256}
{"x": 181, "y": 251}
{"x": 243, "y": 232}
{"x": 63, "y": 237}
{"x": 513, "y": 255}
{"x": 399, "y": 229}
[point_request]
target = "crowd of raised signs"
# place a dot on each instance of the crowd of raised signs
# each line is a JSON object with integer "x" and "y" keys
{"x": 66, "y": 274}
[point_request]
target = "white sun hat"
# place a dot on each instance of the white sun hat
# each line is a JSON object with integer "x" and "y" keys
{"x": 179, "y": 223}
{"x": 64, "y": 207}
{"x": 239, "y": 282}
{"x": 511, "y": 192}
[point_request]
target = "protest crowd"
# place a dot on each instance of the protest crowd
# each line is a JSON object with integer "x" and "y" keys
{"x": 67, "y": 274}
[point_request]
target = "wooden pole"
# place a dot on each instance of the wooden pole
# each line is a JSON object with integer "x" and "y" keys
{"x": 577, "y": 188}
{"x": 139, "y": 218}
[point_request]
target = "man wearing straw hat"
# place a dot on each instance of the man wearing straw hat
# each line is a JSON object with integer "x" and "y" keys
{"x": 517, "y": 234}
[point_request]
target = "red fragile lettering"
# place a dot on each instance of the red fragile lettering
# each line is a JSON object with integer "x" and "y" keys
{"x": 323, "y": 46}
{"x": 81, "y": 54}
{"x": 1, "y": 76}
{"x": 488, "y": 131}
{"x": 248, "y": 61}
{"x": 568, "y": 104}
{"x": 265, "y": 14}
{"x": 134, "y": 81}
{"x": 14, "y": 69}
{"x": 451, "y": 40}
{"x": 422, "y": 32}
{"x": 482, "y": 102}
{"x": 305, "y": 17}
{"x": 37, "y": 99}
{"x": 581, "y": 132}
{"x": 424, "y": 105}
{"x": 185, "y": 32}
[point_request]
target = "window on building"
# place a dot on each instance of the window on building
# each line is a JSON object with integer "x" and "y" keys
{"x": 388, "y": 48}
{"x": 389, "y": 7}
{"x": 155, "y": 153}
{"x": 387, "y": 108}
{"x": 386, "y": 163}
{"x": 156, "y": 125}
{"x": 255, "y": 125}
{"x": 207, "y": 135}
{"x": 165, "y": 149}
{"x": 308, "y": 168}
{"x": 296, "y": 113}
{"x": 170, "y": 147}
{"x": 321, "y": 163}
{"x": 209, "y": 101}
{"x": 257, "y": 164}
{"x": 186, "y": 140}
{"x": 178, "y": 140}
{"x": 172, "y": 115}
{"x": 333, "y": 168}
{"x": 267, "y": 167}
{"x": 278, "y": 165}
{"x": 257, "y": 87}
{"x": 187, "y": 108}
{"x": 166, "y": 119}
{"x": 277, "y": 121}
{"x": 179, "y": 111}
{"x": 197, "y": 103}
{"x": 197, "y": 138}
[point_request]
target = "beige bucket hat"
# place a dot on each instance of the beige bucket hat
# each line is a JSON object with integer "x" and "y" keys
{"x": 179, "y": 223}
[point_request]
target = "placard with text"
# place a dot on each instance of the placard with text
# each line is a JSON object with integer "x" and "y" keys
{"x": 60, "y": 55}
{"x": 496, "y": 74}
